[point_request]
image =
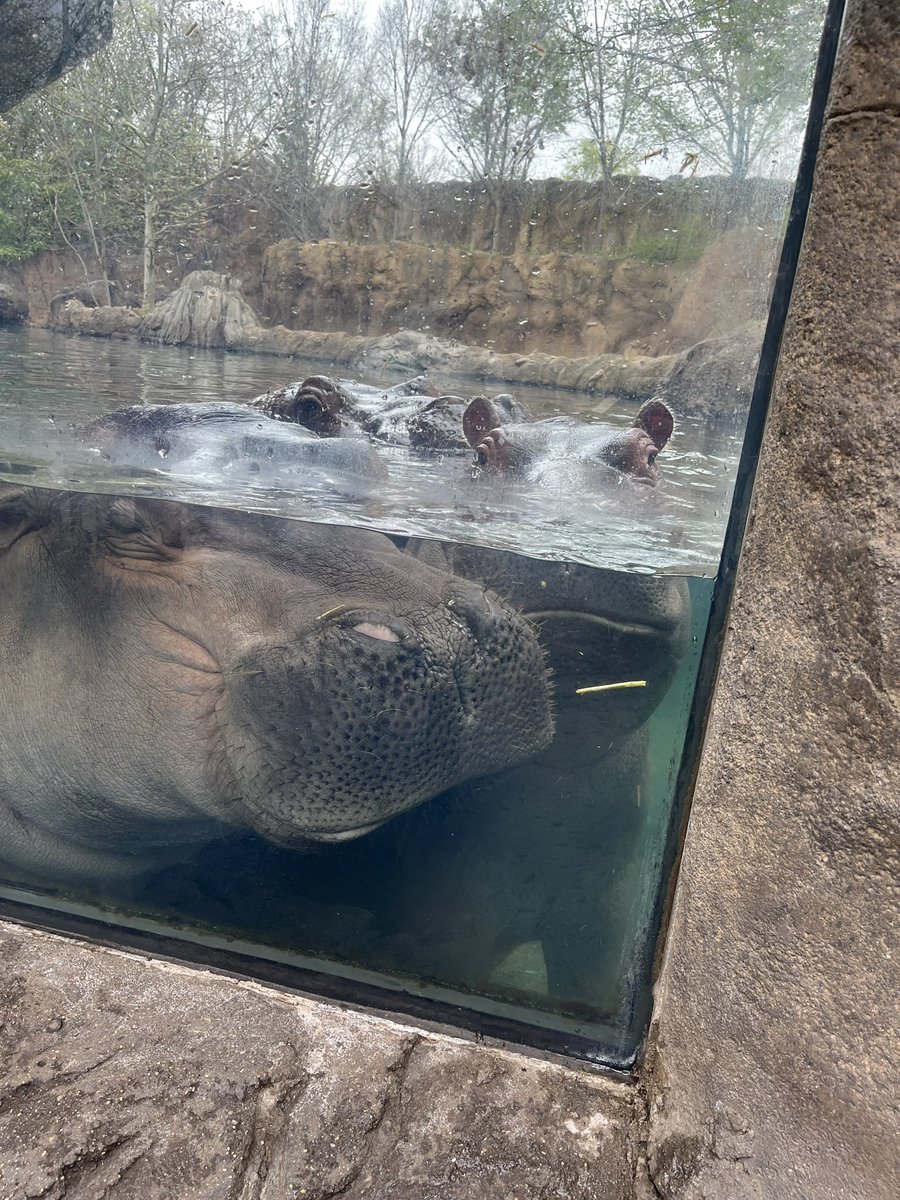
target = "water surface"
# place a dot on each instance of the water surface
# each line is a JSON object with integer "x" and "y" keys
{"x": 52, "y": 386}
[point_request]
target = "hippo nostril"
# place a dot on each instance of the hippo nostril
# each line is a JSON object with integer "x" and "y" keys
{"x": 478, "y": 610}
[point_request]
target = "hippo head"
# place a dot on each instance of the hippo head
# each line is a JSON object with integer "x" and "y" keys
{"x": 168, "y": 669}
{"x": 515, "y": 448}
{"x": 634, "y": 451}
{"x": 317, "y": 403}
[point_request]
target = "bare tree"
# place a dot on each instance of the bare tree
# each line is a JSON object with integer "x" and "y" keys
{"x": 737, "y": 76}
{"x": 612, "y": 44}
{"x": 315, "y": 62}
{"x": 503, "y": 87}
{"x": 406, "y": 90}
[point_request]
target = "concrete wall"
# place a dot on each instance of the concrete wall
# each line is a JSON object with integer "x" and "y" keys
{"x": 773, "y": 1066}
{"x": 771, "y": 1070}
{"x": 39, "y": 40}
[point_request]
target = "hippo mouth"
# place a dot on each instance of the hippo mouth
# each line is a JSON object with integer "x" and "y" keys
{"x": 344, "y": 835}
{"x": 629, "y": 628}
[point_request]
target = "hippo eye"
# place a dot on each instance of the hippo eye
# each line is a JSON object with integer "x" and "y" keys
{"x": 381, "y": 633}
{"x": 651, "y": 458}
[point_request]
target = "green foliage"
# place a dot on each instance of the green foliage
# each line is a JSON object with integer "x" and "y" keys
{"x": 589, "y": 161}
{"x": 123, "y": 153}
{"x": 737, "y": 77}
{"x": 25, "y": 228}
{"x": 681, "y": 244}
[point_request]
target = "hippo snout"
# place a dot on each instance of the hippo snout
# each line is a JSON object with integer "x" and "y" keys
{"x": 213, "y": 670}
{"x": 372, "y": 710}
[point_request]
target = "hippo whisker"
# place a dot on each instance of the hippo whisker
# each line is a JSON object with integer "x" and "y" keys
{"x": 626, "y": 627}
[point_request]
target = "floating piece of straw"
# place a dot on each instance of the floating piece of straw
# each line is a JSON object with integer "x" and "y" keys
{"x": 331, "y": 611}
{"x": 610, "y": 687}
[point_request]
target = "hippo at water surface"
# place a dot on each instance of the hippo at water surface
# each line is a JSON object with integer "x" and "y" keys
{"x": 196, "y": 438}
{"x": 411, "y": 414}
{"x": 535, "y": 449}
{"x": 170, "y": 673}
{"x": 507, "y": 440}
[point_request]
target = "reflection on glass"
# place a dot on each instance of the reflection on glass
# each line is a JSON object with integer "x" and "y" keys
{"x": 380, "y": 660}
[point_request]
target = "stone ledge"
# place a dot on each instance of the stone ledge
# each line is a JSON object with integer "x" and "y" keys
{"x": 133, "y": 1077}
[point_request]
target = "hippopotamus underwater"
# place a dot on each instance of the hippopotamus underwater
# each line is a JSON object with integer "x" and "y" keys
{"x": 546, "y": 853}
{"x": 367, "y": 702}
{"x": 172, "y": 673}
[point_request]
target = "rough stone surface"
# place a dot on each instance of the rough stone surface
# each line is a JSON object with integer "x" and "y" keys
{"x": 565, "y": 303}
{"x": 713, "y": 378}
{"x": 663, "y": 220}
{"x": 773, "y": 1065}
{"x": 38, "y": 41}
{"x": 13, "y": 298}
{"x": 206, "y": 309}
{"x": 112, "y": 321}
{"x": 131, "y": 1078}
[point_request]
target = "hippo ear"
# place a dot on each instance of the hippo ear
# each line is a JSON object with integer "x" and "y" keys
{"x": 16, "y": 518}
{"x": 656, "y": 419}
{"x": 141, "y": 530}
{"x": 480, "y": 418}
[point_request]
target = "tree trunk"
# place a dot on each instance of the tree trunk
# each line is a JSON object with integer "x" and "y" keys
{"x": 497, "y": 197}
{"x": 151, "y": 211}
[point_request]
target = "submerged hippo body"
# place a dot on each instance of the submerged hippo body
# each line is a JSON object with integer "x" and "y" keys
{"x": 209, "y": 438}
{"x": 550, "y": 852}
{"x": 547, "y": 853}
{"x": 170, "y": 673}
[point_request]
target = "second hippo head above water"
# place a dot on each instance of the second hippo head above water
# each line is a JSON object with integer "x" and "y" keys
{"x": 506, "y": 438}
{"x": 531, "y": 449}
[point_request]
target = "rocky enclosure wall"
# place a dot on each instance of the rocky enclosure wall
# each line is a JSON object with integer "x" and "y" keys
{"x": 563, "y": 304}
{"x": 639, "y": 265}
{"x": 629, "y": 217}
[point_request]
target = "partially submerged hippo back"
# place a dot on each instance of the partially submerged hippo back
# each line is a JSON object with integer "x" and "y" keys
{"x": 169, "y": 671}
{"x": 521, "y": 448}
{"x": 189, "y": 438}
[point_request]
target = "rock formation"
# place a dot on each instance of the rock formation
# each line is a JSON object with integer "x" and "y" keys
{"x": 563, "y": 303}
{"x": 206, "y": 310}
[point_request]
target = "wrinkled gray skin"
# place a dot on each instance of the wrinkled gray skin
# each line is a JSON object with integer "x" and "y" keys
{"x": 197, "y": 438}
{"x": 413, "y": 414}
{"x": 169, "y": 673}
{"x": 433, "y": 424}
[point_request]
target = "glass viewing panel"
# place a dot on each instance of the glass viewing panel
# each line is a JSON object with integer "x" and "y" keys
{"x": 371, "y": 650}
